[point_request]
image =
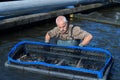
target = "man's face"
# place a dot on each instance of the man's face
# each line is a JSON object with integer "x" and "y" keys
{"x": 62, "y": 26}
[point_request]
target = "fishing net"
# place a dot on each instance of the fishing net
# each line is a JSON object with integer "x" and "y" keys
{"x": 61, "y": 56}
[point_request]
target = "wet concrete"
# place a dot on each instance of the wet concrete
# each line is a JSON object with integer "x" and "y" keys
{"x": 11, "y": 22}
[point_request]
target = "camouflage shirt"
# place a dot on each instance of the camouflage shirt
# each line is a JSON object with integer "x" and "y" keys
{"x": 73, "y": 32}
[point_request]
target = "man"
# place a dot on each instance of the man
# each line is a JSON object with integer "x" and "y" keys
{"x": 68, "y": 35}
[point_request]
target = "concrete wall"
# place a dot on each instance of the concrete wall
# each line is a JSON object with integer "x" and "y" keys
{"x": 21, "y": 20}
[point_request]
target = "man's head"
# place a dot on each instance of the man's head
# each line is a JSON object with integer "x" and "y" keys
{"x": 62, "y": 24}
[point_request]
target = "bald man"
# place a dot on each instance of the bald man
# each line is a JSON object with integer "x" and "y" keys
{"x": 68, "y": 34}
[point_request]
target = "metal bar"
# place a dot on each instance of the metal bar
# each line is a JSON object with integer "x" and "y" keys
{"x": 26, "y": 19}
{"x": 13, "y": 8}
{"x": 61, "y": 61}
{"x": 79, "y": 62}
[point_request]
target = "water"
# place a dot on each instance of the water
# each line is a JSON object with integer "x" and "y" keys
{"x": 104, "y": 36}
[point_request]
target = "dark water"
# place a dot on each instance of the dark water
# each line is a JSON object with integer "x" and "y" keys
{"x": 104, "y": 36}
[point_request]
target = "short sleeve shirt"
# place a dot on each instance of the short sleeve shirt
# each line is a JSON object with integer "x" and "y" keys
{"x": 74, "y": 32}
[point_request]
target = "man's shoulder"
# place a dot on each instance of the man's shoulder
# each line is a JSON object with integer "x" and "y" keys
{"x": 75, "y": 27}
{"x": 55, "y": 28}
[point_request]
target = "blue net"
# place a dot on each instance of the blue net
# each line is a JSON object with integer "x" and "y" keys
{"x": 83, "y": 61}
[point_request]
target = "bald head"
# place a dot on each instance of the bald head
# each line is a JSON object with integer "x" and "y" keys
{"x": 61, "y": 22}
{"x": 60, "y": 19}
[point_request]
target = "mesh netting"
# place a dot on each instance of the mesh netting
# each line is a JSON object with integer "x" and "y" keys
{"x": 64, "y": 56}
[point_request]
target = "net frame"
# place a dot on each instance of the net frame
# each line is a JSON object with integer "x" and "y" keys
{"x": 99, "y": 73}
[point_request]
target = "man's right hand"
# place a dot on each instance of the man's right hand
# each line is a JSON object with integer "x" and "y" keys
{"x": 47, "y": 42}
{"x": 80, "y": 45}
{"x": 47, "y": 38}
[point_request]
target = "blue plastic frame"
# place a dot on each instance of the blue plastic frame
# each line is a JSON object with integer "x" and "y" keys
{"x": 98, "y": 73}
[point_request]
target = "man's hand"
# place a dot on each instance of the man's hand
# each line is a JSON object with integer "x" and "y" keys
{"x": 47, "y": 42}
{"x": 81, "y": 45}
{"x": 47, "y": 38}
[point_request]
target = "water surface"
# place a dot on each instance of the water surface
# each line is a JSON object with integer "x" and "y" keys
{"x": 104, "y": 36}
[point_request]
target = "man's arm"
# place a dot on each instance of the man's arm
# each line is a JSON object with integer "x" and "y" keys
{"x": 86, "y": 40}
{"x": 85, "y": 36}
{"x": 47, "y": 38}
{"x": 50, "y": 34}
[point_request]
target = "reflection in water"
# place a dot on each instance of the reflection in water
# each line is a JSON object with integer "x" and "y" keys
{"x": 117, "y": 16}
{"x": 109, "y": 15}
{"x": 112, "y": 13}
